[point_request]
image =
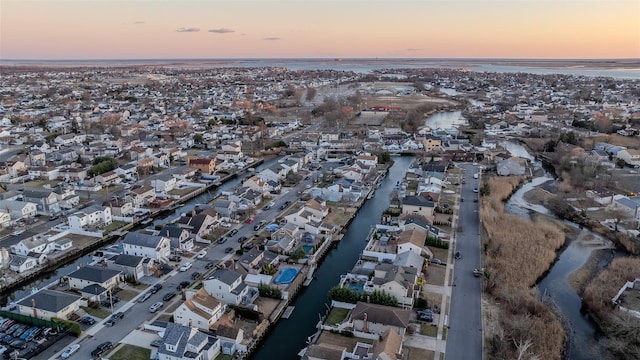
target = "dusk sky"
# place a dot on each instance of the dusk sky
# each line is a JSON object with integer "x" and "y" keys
{"x": 160, "y": 29}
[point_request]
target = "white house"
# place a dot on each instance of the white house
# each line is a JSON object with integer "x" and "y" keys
{"x": 151, "y": 246}
{"x": 227, "y": 286}
{"x": 164, "y": 183}
{"x": 95, "y": 215}
{"x": 94, "y": 275}
{"x": 630, "y": 156}
{"x": 411, "y": 240}
{"x": 19, "y": 209}
{"x": 183, "y": 343}
{"x": 199, "y": 310}
{"x": 22, "y": 263}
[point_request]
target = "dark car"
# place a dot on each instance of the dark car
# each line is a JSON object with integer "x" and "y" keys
{"x": 156, "y": 343}
{"x": 183, "y": 285}
{"x": 155, "y": 288}
{"x": 88, "y": 320}
{"x": 233, "y": 232}
{"x": 101, "y": 349}
{"x": 175, "y": 258}
{"x": 458, "y": 255}
{"x": 228, "y": 250}
{"x": 242, "y": 239}
{"x": 196, "y": 275}
{"x": 18, "y": 344}
{"x": 425, "y": 315}
{"x": 168, "y": 296}
{"x": 283, "y": 206}
{"x": 222, "y": 240}
{"x": 209, "y": 265}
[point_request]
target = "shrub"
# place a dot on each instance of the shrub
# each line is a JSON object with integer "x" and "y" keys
{"x": 270, "y": 292}
{"x": 436, "y": 242}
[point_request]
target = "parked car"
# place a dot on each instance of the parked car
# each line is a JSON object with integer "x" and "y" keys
{"x": 222, "y": 240}
{"x": 157, "y": 305}
{"x": 201, "y": 254}
{"x": 435, "y": 261}
{"x": 18, "y": 344}
{"x": 250, "y": 220}
{"x": 425, "y": 315}
{"x": 475, "y": 189}
{"x": 18, "y": 232}
{"x": 72, "y": 349}
{"x": 114, "y": 318}
{"x": 101, "y": 349}
{"x": 458, "y": 255}
{"x": 168, "y": 296}
{"x": 175, "y": 258}
{"x": 478, "y": 272}
{"x": 242, "y": 239}
{"x": 155, "y": 288}
{"x": 209, "y": 265}
{"x": 88, "y": 320}
{"x": 183, "y": 285}
{"x": 156, "y": 343}
{"x": 195, "y": 276}
{"x": 186, "y": 266}
{"x": 233, "y": 232}
{"x": 228, "y": 250}
{"x": 144, "y": 297}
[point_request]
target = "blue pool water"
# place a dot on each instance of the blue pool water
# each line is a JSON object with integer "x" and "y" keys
{"x": 285, "y": 276}
{"x": 307, "y": 248}
{"x": 359, "y": 287}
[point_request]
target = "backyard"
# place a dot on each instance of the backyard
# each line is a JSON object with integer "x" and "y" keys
{"x": 131, "y": 352}
{"x": 336, "y": 316}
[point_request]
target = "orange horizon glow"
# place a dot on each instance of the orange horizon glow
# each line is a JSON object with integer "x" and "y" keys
{"x": 153, "y": 29}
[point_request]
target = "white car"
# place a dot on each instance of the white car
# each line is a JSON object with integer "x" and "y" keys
{"x": 153, "y": 308}
{"x": 70, "y": 351}
{"x": 201, "y": 254}
{"x": 186, "y": 266}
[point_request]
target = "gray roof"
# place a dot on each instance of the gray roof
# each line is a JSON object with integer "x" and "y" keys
{"x": 140, "y": 239}
{"x": 417, "y": 201}
{"x": 180, "y": 336}
{"x": 93, "y": 289}
{"x": 128, "y": 260}
{"x": 49, "y": 300}
{"x": 227, "y": 276}
{"x": 94, "y": 274}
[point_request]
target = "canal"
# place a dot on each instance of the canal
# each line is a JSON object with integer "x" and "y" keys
{"x": 290, "y": 336}
{"x": 188, "y": 206}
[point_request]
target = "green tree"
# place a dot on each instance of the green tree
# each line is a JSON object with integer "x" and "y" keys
{"x": 197, "y": 138}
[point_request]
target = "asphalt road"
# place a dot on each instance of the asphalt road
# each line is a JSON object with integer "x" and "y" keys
{"x": 465, "y": 336}
{"x": 136, "y": 313}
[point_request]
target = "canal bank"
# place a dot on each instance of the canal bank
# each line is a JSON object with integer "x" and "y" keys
{"x": 290, "y": 336}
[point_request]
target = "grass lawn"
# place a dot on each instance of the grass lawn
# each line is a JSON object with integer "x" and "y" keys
{"x": 115, "y": 225}
{"x": 418, "y": 354}
{"x": 99, "y": 313}
{"x": 336, "y": 316}
{"x": 127, "y": 294}
{"x": 131, "y": 352}
{"x": 224, "y": 357}
{"x": 182, "y": 192}
{"x": 428, "y": 329}
{"x": 439, "y": 253}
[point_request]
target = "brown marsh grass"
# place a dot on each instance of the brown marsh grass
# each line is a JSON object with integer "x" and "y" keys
{"x": 517, "y": 252}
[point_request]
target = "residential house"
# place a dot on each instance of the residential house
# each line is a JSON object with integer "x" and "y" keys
{"x": 199, "y": 310}
{"x": 72, "y": 174}
{"x": 227, "y": 286}
{"x": 22, "y": 263}
{"x": 45, "y": 199}
{"x": 129, "y": 265}
{"x": 422, "y": 224}
{"x": 48, "y": 304}
{"x": 431, "y": 142}
{"x": 630, "y": 156}
{"x": 630, "y": 206}
{"x": 273, "y": 173}
{"x": 108, "y": 178}
{"x": 94, "y": 275}
{"x": 180, "y": 237}
{"x": 601, "y": 195}
{"x": 19, "y": 209}
{"x": 183, "y": 343}
{"x": 164, "y": 183}
{"x": 151, "y": 246}
{"x": 36, "y": 244}
{"x": 92, "y": 216}
{"x": 129, "y": 171}
{"x": 204, "y": 165}
{"x": 376, "y": 319}
{"x": 13, "y": 168}
{"x": 44, "y": 172}
{"x": 119, "y": 207}
{"x": 418, "y": 205}
{"x": 200, "y": 224}
{"x": 5, "y": 219}
{"x": 225, "y": 208}
{"x": 140, "y": 195}
{"x": 411, "y": 240}
{"x": 399, "y": 281}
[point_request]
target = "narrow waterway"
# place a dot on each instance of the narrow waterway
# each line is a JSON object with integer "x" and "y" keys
{"x": 445, "y": 120}
{"x": 204, "y": 198}
{"x": 555, "y": 286}
{"x": 290, "y": 336}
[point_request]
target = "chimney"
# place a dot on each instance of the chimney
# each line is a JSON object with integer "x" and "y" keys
{"x": 365, "y": 328}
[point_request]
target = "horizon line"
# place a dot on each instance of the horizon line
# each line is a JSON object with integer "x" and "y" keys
{"x": 326, "y": 58}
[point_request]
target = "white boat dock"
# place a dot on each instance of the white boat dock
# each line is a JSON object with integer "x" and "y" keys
{"x": 288, "y": 311}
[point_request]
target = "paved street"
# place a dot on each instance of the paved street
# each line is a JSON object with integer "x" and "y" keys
{"x": 464, "y": 337}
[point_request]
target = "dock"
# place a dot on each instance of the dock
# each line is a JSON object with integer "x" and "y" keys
{"x": 288, "y": 312}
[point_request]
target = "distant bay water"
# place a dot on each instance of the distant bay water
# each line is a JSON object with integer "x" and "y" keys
{"x": 618, "y": 69}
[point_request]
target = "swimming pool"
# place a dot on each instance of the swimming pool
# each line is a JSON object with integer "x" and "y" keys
{"x": 359, "y": 287}
{"x": 307, "y": 248}
{"x": 285, "y": 276}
